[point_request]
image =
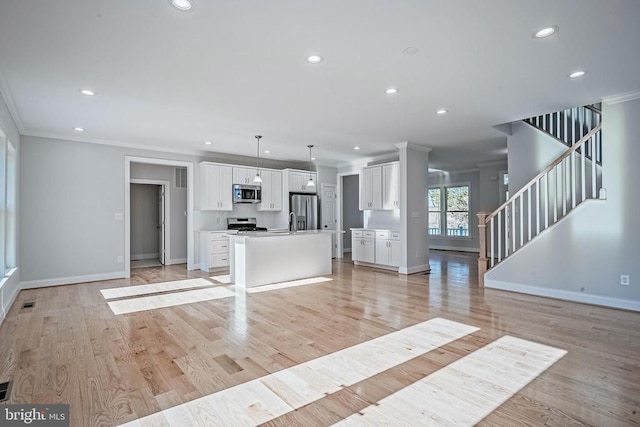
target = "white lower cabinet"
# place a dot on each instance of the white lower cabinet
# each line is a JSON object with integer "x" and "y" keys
{"x": 214, "y": 250}
{"x": 363, "y": 246}
{"x": 388, "y": 248}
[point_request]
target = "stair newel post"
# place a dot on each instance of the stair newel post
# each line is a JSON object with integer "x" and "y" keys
{"x": 483, "y": 261}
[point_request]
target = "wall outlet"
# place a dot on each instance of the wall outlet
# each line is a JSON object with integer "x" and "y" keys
{"x": 119, "y": 259}
{"x": 118, "y": 216}
{"x": 624, "y": 279}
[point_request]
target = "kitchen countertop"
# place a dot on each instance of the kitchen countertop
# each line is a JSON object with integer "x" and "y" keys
{"x": 260, "y": 234}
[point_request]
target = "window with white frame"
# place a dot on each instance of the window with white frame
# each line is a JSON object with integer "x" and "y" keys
{"x": 449, "y": 210}
{"x": 8, "y": 169}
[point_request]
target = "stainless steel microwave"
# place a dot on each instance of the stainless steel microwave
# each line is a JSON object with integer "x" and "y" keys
{"x": 247, "y": 193}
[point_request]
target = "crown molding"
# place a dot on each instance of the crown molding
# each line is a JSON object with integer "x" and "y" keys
{"x": 7, "y": 95}
{"x": 411, "y": 145}
{"x": 621, "y": 97}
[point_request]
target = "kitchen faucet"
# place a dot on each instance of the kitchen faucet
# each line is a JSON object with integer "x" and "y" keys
{"x": 293, "y": 223}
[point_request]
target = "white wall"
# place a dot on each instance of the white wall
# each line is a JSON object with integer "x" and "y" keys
{"x": 583, "y": 256}
{"x": 145, "y": 218}
{"x": 10, "y": 286}
{"x": 178, "y": 200}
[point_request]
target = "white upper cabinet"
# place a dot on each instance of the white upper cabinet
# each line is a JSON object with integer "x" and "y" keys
{"x": 244, "y": 176}
{"x": 271, "y": 191}
{"x": 391, "y": 186}
{"x": 371, "y": 188}
{"x": 216, "y": 187}
{"x": 380, "y": 187}
{"x": 298, "y": 182}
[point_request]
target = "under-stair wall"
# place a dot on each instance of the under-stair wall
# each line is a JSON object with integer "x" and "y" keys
{"x": 583, "y": 255}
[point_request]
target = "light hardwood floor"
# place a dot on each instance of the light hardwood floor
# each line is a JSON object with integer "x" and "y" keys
{"x": 112, "y": 369}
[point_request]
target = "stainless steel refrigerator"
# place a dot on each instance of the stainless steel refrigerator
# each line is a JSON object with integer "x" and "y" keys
{"x": 305, "y": 206}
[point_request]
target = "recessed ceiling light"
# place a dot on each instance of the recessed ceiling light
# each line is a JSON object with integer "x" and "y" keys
{"x": 207, "y": 143}
{"x": 577, "y": 74}
{"x": 78, "y": 129}
{"x": 356, "y": 148}
{"x": 183, "y": 5}
{"x": 442, "y": 111}
{"x": 391, "y": 91}
{"x": 87, "y": 92}
{"x": 545, "y": 32}
{"x": 267, "y": 151}
{"x": 314, "y": 59}
{"x": 313, "y": 158}
{"x": 410, "y": 51}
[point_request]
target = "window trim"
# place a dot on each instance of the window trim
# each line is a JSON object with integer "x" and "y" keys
{"x": 443, "y": 210}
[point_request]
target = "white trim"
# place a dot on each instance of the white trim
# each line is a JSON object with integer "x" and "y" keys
{"x": 453, "y": 248}
{"x": 415, "y": 269}
{"x": 166, "y": 188}
{"x": 622, "y": 97}
{"x": 139, "y": 257}
{"x": 563, "y": 295}
{"x": 127, "y": 208}
{"x": 6, "y": 307}
{"x": 7, "y": 95}
{"x": 339, "y": 190}
{"x": 380, "y": 266}
{"x": 60, "y": 281}
{"x": 179, "y": 261}
{"x": 345, "y": 250}
{"x": 412, "y": 146}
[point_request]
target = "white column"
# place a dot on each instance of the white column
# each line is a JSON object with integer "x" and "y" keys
{"x": 414, "y": 219}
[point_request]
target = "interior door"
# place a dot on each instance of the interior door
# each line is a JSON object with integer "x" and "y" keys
{"x": 328, "y": 212}
{"x": 161, "y": 243}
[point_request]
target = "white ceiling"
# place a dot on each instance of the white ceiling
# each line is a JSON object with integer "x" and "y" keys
{"x": 230, "y": 69}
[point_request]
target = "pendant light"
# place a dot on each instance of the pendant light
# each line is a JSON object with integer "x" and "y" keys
{"x": 310, "y": 183}
{"x": 257, "y": 179}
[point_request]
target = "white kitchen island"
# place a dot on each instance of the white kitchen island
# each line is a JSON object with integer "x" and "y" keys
{"x": 262, "y": 258}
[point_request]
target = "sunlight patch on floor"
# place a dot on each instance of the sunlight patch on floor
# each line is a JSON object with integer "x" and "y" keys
{"x": 274, "y": 395}
{"x": 170, "y": 300}
{"x": 290, "y": 284}
{"x": 154, "y": 288}
{"x": 222, "y": 279}
{"x": 466, "y": 391}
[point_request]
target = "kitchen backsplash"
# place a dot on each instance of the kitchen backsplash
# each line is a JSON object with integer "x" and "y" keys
{"x": 388, "y": 220}
{"x": 217, "y": 220}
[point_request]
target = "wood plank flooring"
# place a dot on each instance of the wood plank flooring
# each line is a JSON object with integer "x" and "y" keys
{"x": 116, "y": 368}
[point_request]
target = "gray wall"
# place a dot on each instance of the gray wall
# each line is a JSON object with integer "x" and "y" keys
{"x": 9, "y": 288}
{"x": 585, "y": 254}
{"x": 351, "y": 214}
{"x": 178, "y": 200}
{"x": 144, "y": 222}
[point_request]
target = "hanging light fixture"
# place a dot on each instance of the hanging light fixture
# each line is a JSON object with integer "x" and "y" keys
{"x": 310, "y": 183}
{"x": 257, "y": 179}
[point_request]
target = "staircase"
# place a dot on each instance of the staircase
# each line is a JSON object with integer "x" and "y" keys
{"x": 572, "y": 178}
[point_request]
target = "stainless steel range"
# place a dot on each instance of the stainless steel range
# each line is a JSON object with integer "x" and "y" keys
{"x": 244, "y": 225}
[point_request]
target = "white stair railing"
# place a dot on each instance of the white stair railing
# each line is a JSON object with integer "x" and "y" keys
{"x": 568, "y": 181}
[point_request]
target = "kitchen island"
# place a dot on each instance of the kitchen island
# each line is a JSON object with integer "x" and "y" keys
{"x": 261, "y": 258}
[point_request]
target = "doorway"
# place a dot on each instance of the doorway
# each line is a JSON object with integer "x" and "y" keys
{"x": 149, "y": 213}
{"x": 348, "y": 210}
{"x": 328, "y": 212}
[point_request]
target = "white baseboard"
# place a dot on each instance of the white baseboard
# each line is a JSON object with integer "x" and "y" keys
{"x": 453, "y": 248}
{"x": 177, "y": 261}
{"x": 380, "y": 266}
{"x": 564, "y": 295}
{"x": 71, "y": 280}
{"x": 140, "y": 257}
{"x": 7, "y": 303}
{"x": 416, "y": 269}
{"x": 345, "y": 250}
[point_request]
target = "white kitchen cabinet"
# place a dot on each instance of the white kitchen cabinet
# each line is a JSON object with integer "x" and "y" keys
{"x": 363, "y": 246}
{"x": 217, "y": 188}
{"x": 214, "y": 250}
{"x": 298, "y": 182}
{"x": 271, "y": 191}
{"x": 391, "y": 186}
{"x": 244, "y": 176}
{"x": 371, "y": 188}
{"x": 387, "y": 245}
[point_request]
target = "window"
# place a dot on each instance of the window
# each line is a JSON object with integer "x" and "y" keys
{"x": 8, "y": 163}
{"x": 449, "y": 211}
